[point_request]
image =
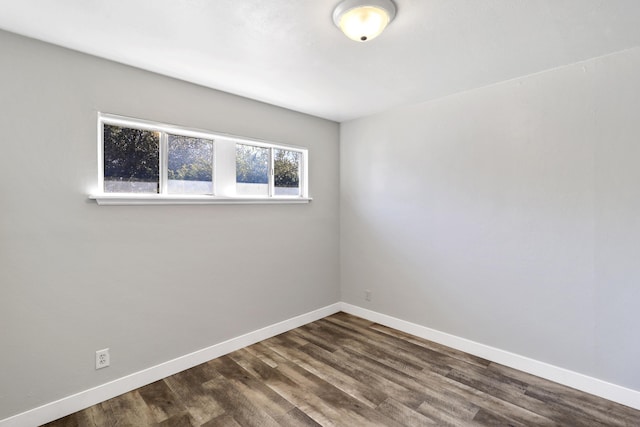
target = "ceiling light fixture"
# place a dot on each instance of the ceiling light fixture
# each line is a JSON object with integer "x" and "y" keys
{"x": 363, "y": 20}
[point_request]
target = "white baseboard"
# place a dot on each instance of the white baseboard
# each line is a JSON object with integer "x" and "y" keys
{"x": 69, "y": 405}
{"x": 563, "y": 376}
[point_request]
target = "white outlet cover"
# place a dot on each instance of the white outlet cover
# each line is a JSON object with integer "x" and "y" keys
{"x": 103, "y": 358}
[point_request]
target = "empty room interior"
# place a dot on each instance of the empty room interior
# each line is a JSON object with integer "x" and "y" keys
{"x": 433, "y": 219}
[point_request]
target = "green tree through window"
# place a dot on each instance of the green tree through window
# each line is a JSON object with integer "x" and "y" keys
{"x": 286, "y": 165}
{"x": 131, "y": 156}
{"x": 252, "y": 164}
{"x": 190, "y": 159}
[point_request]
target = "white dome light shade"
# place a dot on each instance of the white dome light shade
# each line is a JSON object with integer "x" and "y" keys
{"x": 363, "y": 20}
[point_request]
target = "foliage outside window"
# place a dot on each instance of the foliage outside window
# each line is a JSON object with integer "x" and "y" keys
{"x": 252, "y": 170}
{"x": 190, "y": 168}
{"x": 145, "y": 158}
{"x": 286, "y": 170}
{"x": 131, "y": 160}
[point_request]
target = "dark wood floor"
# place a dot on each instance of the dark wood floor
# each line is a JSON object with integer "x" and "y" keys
{"x": 346, "y": 371}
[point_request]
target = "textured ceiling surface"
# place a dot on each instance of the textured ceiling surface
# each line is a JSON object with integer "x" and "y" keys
{"x": 289, "y": 53}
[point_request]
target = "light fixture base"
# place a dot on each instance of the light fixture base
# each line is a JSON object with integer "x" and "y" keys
{"x": 363, "y": 20}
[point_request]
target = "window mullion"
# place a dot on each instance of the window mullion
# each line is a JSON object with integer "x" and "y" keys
{"x": 214, "y": 168}
{"x": 164, "y": 162}
{"x": 303, "y": 175}
{"x": 271, "y": 173}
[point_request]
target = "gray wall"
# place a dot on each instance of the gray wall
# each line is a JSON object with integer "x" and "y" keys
{"x": 508, "y": 215}
{"x": 150, "y": 282}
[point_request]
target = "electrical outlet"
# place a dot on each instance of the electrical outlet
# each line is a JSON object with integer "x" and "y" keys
{"x": 102, "y": 358}
{"x": 367, "y": 295}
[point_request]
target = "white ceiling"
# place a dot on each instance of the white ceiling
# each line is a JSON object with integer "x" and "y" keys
{"x": 288, "y": 52}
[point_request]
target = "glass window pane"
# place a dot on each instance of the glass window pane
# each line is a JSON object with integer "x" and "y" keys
{"x": 286, "y": 171}
{"x": 131, "y": 160}
{"x": 190, "y": 165}
{"x": 252, "y": 170}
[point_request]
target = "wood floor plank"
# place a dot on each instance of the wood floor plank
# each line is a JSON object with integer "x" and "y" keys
{"x": 377, "y": 384}
{"x": 421, "y": 354}
{"x": 448, "y": 393}
{"x": 395, "y": 356}
{"x": 485, "y": 417}
{"x": 179, "y": 420}
{"x": 582, "y": 410}
{"x": 328, "y": 372}
{"x": 161, "y": 401}
{"x": 296, "y": 418}
{"x": 198, "y": 401}
{"x": 129, "y": 410}
{"x": 448, "y": 351}
{"x": 355, "y": 321}
{"x": 285, "y": 385}
{"x": 481, "y": 399}
{"x": 224, "y": 420}
{"x": 255, "y": 351}
{"x": 94, "y": 416}
{"x": 569, "y": 399}
{"x": 346, "y": 371}
{"x": 549, "y": 391}
{"x": 316, "y": 337}
{"x": 347, "y": 410}
{"x": 431, "y": 392}
{"x": 254, "y": 389}
{"x": 243, "y": 410}
{"x": 403, "y": 414}
{"x": 440, "y": 417}
{"x": 517, "y": 395}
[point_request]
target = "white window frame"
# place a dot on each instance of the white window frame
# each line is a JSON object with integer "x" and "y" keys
{"x": 218, "y": 196}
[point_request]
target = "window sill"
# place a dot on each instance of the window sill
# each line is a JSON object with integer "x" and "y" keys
{"x": 156, "y": 199}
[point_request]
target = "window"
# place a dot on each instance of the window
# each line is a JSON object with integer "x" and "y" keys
{"x": 131, "y": 160}
{"x": 145, "y": 162}
{"x": 252, "y": 170}
{"x": 190, "y": 168}
{"x": 286, "y": 171}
